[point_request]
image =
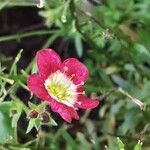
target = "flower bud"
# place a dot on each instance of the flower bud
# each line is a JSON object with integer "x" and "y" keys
{"x": 45, "y": 117}
{"x": 33, "y": 114}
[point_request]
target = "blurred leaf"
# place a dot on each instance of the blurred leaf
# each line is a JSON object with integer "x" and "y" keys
{"x": 112, "y": 70}
{"x": 6, "y": 106}
{"x": 53, "y": 122}
{"x": 35, "y": 122}
{"x": 12, "y": 109}
{"x": 70, "y": 141}
{"x": 131, "y": 119}
{"x": 78, "y": 45}
{"x": 83, "y": 142}
{"x": 138, "y": 146}
{"x": 120, "y": 144}
{"x": 141, "y": 53}
{"x": 7, "y": 131}
{"x": 32, "y": 106}
{"x": 15, "y": 119}
{"x": 39, "y": 108}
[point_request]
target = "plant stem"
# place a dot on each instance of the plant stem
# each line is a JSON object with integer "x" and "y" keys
{"x": 24, "y": 35}
{"x": 17, "y": 58}
{"x": 16, "y": 135}
{"x": 135, "y": 100}
{"x": 10, "y": 81}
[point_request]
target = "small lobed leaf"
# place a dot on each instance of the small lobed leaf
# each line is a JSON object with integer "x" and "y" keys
{"x": 32, "y": 106}
{"x": 6, "y": 132}
{"x": 35, "y": 122}
{"x": 79, "y": 46}
{"x": 120, "y": 144}
{"x": 15, "y": 119}
{"x": 138, "y": 146}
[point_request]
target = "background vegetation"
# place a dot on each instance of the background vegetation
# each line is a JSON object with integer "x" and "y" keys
{"x": 112, "y": 38}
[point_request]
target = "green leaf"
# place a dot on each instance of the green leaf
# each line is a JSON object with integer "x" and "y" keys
{"x": 83, "y": 142}
{"x": 34, "y": 68}
{"x": 79, "y": 46}
{"x": 107, "y": 148}
{"x": 37, "y": 123}
{"x": 13, "y": 67}
{"x": 53, "y": 122}
{"x": 39, "y": 108}
{"x": 30, "y": 125}
{"x": 6, "y": 106}
{"x": 7, "y": 131}
{"x": 32, "y": 106}
{"x": 120, "y": 144}
{"x": 33, "y": 123}
{"x": 138, "y": 146}
{"x": 15, "y": 119}
{"x": 71, "y": 142}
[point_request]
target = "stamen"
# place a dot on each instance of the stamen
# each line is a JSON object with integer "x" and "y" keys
{"x": 80, "y": 84}
{"x": 65, "y": 69}
{"x": 81, "y": 92}
{"x": 72, "y": 76}
{"x": 62, "y": 88}
{"x": 78, "y": 102}
{"x": 78, "y": 93}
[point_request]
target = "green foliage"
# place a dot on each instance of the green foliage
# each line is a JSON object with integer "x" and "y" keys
{"x": 6, "y": 129}
{"x": 33, "y": 123}
{"x": 121, "y": 145}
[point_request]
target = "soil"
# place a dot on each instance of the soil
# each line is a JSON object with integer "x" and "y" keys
{"x": 18, "y": 20}
{"x": 21, "y": 20}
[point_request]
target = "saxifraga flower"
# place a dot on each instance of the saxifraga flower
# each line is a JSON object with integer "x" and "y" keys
{"x": 61, "y": 84}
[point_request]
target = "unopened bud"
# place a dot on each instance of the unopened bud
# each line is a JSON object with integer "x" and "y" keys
{"x": 33, "y": 114}
{"x": 45, "y": 117}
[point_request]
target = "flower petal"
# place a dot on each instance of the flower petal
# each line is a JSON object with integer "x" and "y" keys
{"x": 66, "y": 112}
{"x": 36, "y": 85}
{"x": 48, "y": 61}
{"x": 73, "y": 113}
{"x": 80, "y": 89}
{"x": 86, "y": 103}
{"x": 77, "y": 69}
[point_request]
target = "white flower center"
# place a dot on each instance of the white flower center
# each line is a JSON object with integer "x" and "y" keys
{"x": 61, "y": 88}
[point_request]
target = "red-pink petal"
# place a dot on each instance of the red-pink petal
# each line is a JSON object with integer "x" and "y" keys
{"x": 67, "y": 113}
{"x": 73, "y": 113}
{"x": 77, "y": 69}
{"x": 80, "y": 89}
{"x": 48, "y": 61}
{"x": 36, "y": 85}
{"x": 86, "y": 103}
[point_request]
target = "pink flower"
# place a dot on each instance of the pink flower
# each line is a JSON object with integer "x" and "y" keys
{"x": 61, "y": 84}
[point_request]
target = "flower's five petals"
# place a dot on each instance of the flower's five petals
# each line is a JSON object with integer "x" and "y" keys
{"x": 61, "y": 84}
{"x": 67, "y": 113}
{"x": 48, "y": 61}
{"x": 86, "y": 103}
{"x": 36, "y": 85}
{"x": 76, "y": 70}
